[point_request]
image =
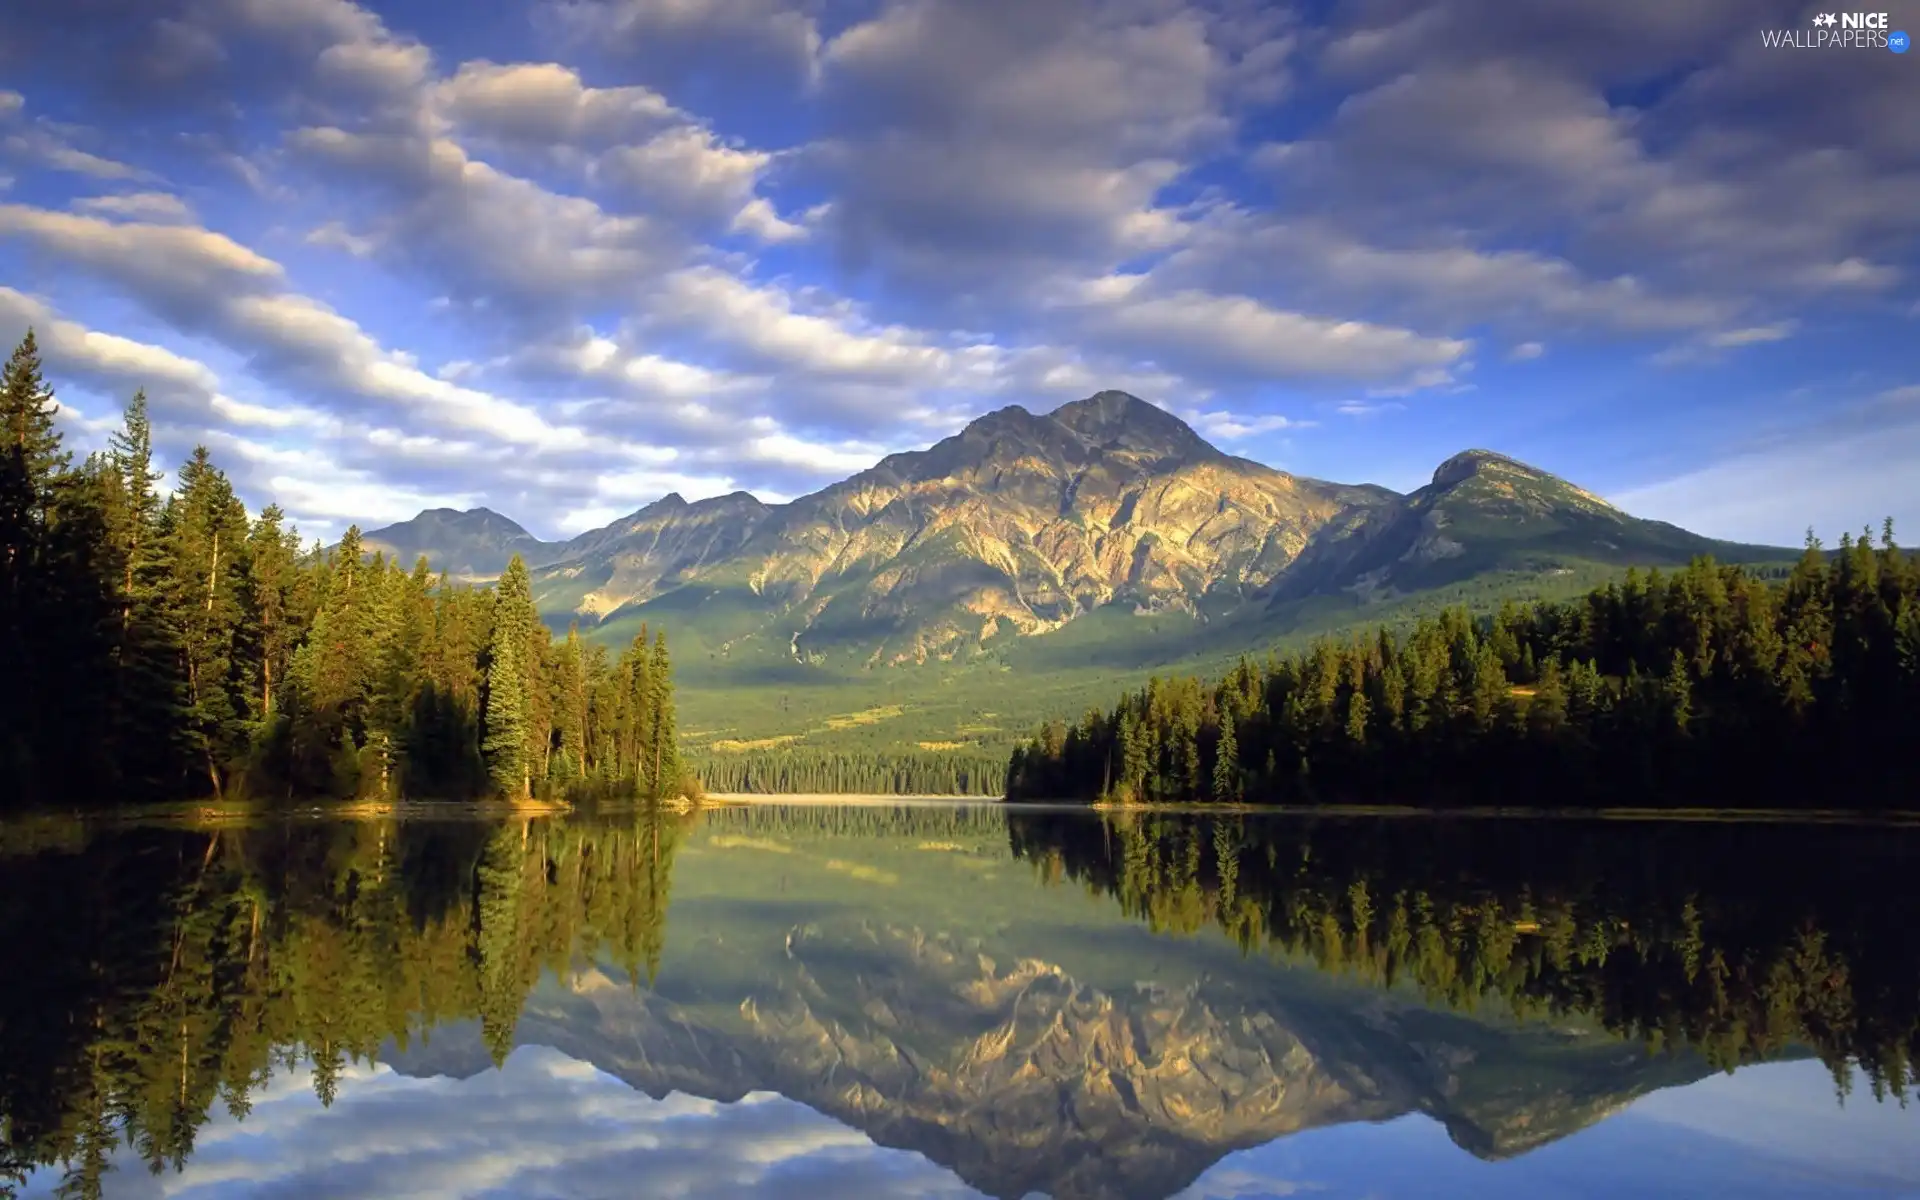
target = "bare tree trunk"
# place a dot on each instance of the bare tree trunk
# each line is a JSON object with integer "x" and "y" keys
{"x": 213, "y": 569}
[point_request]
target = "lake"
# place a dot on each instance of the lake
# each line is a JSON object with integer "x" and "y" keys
{"x": 957, "y": 1000}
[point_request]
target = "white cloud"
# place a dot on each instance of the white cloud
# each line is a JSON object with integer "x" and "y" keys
{"x": 1206, "y": 333}
{"x": 379, "y": 67}
{"x": 490, "y": 235}
{"x": 1221, "y": 425}
{"x": 686, "y": 171}
{"x": 68, "y": 345}
{"x": 1709, "y": 347}
{"x": 1752, "y": 335}
{"x": 177, "y": 266}
{"x": 157, "y": 208}
{"x": 1526, "y": 351}
{"x": 764, "y": 325}
{"x": 336, "y": 235}
{"x": 547, "y": 104}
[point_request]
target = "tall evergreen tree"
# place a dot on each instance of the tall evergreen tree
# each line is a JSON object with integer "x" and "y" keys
{"x": 27, "y": 409}
{"x": 663, "y": 756}
{"x": 1226, "y": 765}
{"x": 505, "y": 744}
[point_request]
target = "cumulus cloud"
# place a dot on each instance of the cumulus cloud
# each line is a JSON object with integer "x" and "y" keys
{"x": 970, "y": 144}
{"x": 1203, "y": 334}
{"x": 487, "y": 235}
{"x": 546, "y": 104}
{"x": 723, "y": 243}
{"x": 111, "y": 363}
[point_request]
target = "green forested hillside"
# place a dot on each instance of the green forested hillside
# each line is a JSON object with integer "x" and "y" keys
{"x": 1706, "y": 686}
{"x": 163, "y": 646}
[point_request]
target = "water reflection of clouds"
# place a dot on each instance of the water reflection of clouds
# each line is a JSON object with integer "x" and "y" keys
{"x": 1763, "y": 1132}
{"x": 550, "y": 1126}
{"x": 544, "y": 1126}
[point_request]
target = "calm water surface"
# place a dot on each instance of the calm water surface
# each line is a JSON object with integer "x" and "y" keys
{"x": 931, "y": 1001}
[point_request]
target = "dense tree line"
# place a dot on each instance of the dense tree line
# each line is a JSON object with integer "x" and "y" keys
{"x": 195, "y": 962}
{"x": 168, "y": 645}
{"x": 908, "y": 822}
{"x": 1741, "y": 942}
{"x": 789, "y": 772}
{"x": 1707, "y": 685}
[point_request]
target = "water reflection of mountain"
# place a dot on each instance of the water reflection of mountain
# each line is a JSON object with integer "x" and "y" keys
{"x": 906, "y": 975}
{"x": 1022, "y": 1079}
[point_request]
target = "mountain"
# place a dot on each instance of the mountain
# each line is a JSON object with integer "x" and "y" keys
{"x": 1022, "y": 523}
{"x": 653, "y": 550}
{"x": 1486, "y": 512}
{"x": 475, "y": 544}
{"x": 1023, "y": 1077}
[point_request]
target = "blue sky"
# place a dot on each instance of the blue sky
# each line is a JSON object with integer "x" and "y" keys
{"x": 561, "y": 257}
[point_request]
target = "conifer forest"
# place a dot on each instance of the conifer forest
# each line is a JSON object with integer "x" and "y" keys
{"x": 166, "y": 646}
{"x": 1710, "y": 686}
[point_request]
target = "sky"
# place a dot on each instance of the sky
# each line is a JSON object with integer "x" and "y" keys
{"x": 549, "y": 1125}
{"x": 561, "y": 257}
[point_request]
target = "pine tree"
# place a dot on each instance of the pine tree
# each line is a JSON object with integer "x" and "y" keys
{"x": 204, "y": 534}
{"x": 272, "y": 568}
{"x": 1226, "y": 765}
{"x": 662, "y": 738}
{"x": 505, "y": 745}
{"x": 27, "y": 407}
{"x": 516, "y": 619}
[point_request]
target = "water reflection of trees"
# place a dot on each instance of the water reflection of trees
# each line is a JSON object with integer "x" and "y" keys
{"x": 1742, "y": 942}
{"x": 163, "y": 971}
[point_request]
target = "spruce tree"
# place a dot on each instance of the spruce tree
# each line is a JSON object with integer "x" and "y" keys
{"x": 505, "y": 745}
{"x": 27, "y": 407}
{"x": 1226, "y": 764}
{"x": 662, "y": 739}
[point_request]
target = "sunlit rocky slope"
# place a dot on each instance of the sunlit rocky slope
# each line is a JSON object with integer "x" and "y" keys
{"x": 1021, "y": 523}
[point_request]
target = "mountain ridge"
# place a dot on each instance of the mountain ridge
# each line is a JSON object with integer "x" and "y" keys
{"x": 1021, "y": 523}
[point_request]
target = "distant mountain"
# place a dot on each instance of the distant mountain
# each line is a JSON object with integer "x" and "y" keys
{"x": 1486, "y": 512}
{"x": 1021, "y": 523}
{"x": 475, "y": 544}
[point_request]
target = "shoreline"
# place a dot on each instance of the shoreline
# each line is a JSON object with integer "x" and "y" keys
{"x": 851, "y": 799}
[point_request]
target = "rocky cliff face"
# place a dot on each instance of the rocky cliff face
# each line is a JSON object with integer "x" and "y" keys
{"x": 1014, "y": 526}
{"x": 1022, "y": 522}
{"x": 1021, "y": 1079}
{"x": 640, "y": 556}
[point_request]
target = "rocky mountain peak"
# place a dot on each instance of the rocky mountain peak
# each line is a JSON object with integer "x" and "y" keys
{"x": 1468, "y": 463}
{"x": 1114, "y": 420}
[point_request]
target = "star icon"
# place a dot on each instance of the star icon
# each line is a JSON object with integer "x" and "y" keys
{"x": 1826, "y": 19}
